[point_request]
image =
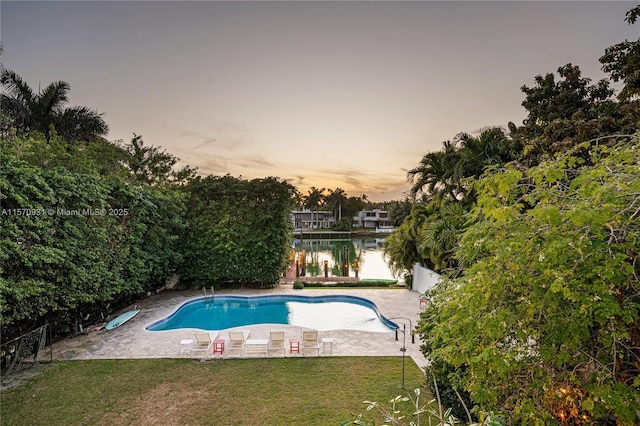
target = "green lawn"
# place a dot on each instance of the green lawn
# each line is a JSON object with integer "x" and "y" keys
{"x": 280, "y": 391}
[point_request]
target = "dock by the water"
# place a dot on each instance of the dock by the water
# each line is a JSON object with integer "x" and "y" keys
{"x": 330, "y": 235}
{"x": 290, "y": 277}
{"x": 336, "y": 235}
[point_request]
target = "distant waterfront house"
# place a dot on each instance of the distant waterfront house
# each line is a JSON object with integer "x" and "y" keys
{"x": 376, "y": 218}
{"x": 306, "y": 219}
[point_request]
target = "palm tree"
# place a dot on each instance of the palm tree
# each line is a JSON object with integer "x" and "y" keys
{"x": 335, "y": 200}
{"x": 438, "y": 236}
{"x": 437, "y": 173}
{"x": 444, "y": 172}
{"x": 492, "y": 147}
{"x": 400, "y": 249}
{"x": 398, "y": 210}
{"x": 297, "y": 198}
{"x": 313, "y": 200}
{"x": 80, "y": 123}
{"x": 28, "y": 111}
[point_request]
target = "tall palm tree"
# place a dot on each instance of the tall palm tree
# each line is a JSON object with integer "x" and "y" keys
{"x": 437, "y": 173}
{"x": 335, "y": 200}
{"x": 444, "y": 172}
{"x": 297, "y": 198}
{"x": 80, "y": 123}
{"x": 313, "y": 200}
{"x": 29, "y": 111}
{"x": 491, "y": 147}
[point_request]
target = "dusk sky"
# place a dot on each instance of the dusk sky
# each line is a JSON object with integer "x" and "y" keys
{"x": 325, "y": 94}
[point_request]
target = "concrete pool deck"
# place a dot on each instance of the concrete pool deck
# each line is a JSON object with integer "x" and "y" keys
{"x": 132, "y": 340}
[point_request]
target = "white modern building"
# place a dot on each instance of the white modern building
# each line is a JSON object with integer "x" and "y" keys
{"x": 307, "y": 219}
{"x": 304, "y": 220}
{"x": 376, "y": 218}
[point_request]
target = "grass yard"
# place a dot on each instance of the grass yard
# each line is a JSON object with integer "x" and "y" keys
{"x": 275, "y": 391}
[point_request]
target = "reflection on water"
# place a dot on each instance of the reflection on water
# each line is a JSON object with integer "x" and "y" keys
{"x": 366, "y": 254}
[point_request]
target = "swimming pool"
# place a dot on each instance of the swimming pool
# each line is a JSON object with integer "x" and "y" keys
{"x": 334, "y": 312}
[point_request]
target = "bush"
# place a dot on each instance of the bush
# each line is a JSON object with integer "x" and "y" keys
{"x": 349, "y": 284}
{"x": 221, "y": 245}
{"x": 344, "y": 224}
{"x": 408, "y": 280}
{"x": 443, "y": 373}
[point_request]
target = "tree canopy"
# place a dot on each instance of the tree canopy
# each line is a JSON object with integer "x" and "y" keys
{"x": 27, "y": 111}
{"x": 544, "y": 324}
{"x": 99, "y": 223}
{"x": 622, "y": 62}
{"x": 536, "y": 232}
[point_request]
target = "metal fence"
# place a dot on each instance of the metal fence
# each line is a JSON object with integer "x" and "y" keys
{"x": 26, "y": 351}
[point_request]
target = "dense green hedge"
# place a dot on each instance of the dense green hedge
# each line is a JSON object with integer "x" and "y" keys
{"x": 75, "y": 242}
{"x": 239, "y": 231}
{"x": 346, "y": 284}
{"x": 81, "y": 231}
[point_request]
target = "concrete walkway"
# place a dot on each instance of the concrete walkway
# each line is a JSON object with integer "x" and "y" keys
{"x": 132, "y": 340}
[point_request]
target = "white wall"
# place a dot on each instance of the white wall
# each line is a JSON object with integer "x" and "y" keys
{"x": 423, "y": 278}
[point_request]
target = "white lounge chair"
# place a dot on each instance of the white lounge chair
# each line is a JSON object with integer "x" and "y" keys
{"x": 310, "y": 342}
{"x": 276, "y": 341}
{"x": 237, "y": 340}
{"x": 203, "y": 343}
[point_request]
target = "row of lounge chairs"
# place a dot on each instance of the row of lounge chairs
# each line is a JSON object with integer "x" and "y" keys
{"x": 239, "y": 343}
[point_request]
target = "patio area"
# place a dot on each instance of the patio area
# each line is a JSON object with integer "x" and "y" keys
{"x": 132, "y": 340}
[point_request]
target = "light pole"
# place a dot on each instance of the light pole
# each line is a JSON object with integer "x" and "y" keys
{"x": 403, "y": 349}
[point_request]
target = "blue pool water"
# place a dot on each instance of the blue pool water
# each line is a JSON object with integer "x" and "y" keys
{"x": 319, "y": 312}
